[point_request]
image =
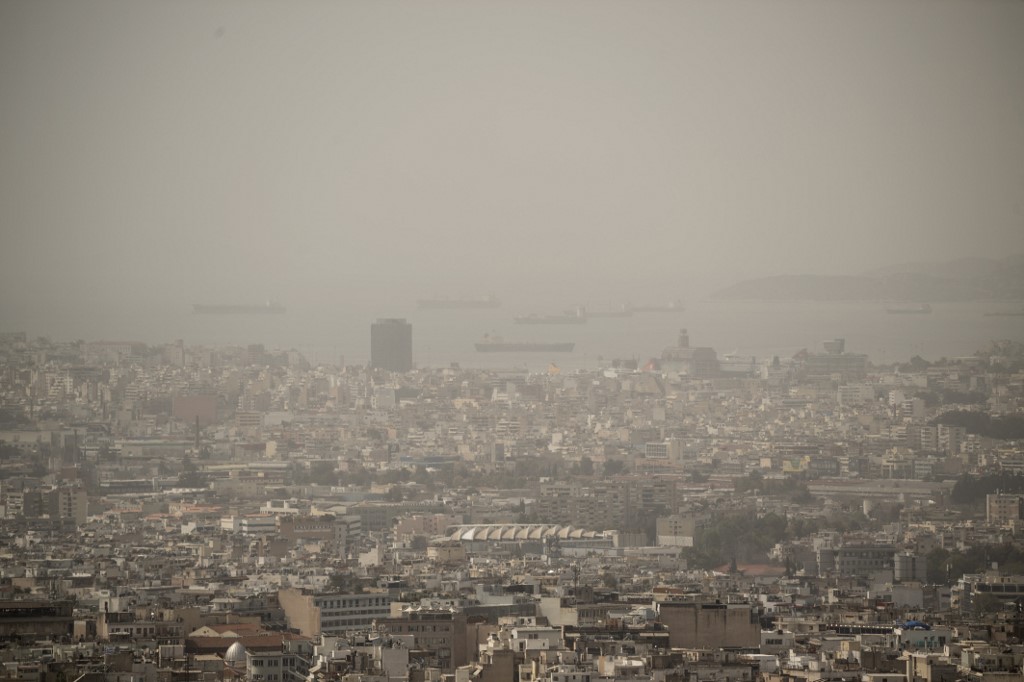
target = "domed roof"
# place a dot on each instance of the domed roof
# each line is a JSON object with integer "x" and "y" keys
{"x": 235, "y": 654}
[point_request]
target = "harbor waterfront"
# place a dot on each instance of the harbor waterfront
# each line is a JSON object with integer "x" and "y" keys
{"x": 323, "y": 332}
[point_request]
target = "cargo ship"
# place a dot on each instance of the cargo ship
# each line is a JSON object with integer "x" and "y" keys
{"x": 913, "y": 309}
{"x": 457, "y": 303}
{"x": 268, "y": 308}
{"x": 577, "y": 316}
{"x": 495, "y": 344}
{"x": 671, "y": 307}
{"x": 622, "y": 311}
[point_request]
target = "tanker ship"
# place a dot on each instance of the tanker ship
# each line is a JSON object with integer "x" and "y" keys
{"x": 268, "y": 308}
{"x": 495, "y": 344}
{"x": 457, "y": 303}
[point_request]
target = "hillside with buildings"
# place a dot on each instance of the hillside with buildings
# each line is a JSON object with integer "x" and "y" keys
{"x": 975, "y": 279}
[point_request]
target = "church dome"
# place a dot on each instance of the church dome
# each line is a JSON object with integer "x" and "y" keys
{"x": 235, "y": 655}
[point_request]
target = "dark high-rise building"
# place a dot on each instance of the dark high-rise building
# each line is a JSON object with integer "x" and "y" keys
{"x": 391, "y": 344}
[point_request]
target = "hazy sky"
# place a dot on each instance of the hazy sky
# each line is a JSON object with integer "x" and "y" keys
{"x": 234, "y": 151}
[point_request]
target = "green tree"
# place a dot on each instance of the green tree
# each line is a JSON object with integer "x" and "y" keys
{"x": 741, "y": 536}
{"x": 323, "y": 473}
{"x": 936, "y": 562}
{"x": 614, "y": 467}
{"x": 987, "y": 603}
{"x": 190, "y": 476}
{"x": 346, "y": 583}
{"x": 421, "y": 475}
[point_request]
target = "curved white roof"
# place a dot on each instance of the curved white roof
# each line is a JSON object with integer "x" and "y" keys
{"x": 235, "y": 655}
{"x": 518, "y": 532}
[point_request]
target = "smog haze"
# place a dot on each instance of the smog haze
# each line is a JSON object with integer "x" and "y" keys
{"x": 167, "y": 153}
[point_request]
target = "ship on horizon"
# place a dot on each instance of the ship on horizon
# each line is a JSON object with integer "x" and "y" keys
{"x": 268, "y": 308}
{"x": 909, "y": 309}
{"x": 495, "y": 344}
{"x": 575, "y": 316}
{"x": 675, "y": 306}
{"x": 458, "y": 303}
{"x": 624, "y": 310}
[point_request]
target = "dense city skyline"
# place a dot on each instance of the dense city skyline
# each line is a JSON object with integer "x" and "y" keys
{"x": 511, "y": 342}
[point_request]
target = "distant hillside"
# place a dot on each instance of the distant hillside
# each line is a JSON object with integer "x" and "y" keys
{"x": 967, "y": 279}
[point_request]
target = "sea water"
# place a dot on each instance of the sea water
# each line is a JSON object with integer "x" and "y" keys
{"x": 328, "y": 333}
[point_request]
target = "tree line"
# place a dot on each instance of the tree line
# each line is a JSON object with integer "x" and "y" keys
{"x": 1002, "y": 427}
{"x": 971, "y": 490}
